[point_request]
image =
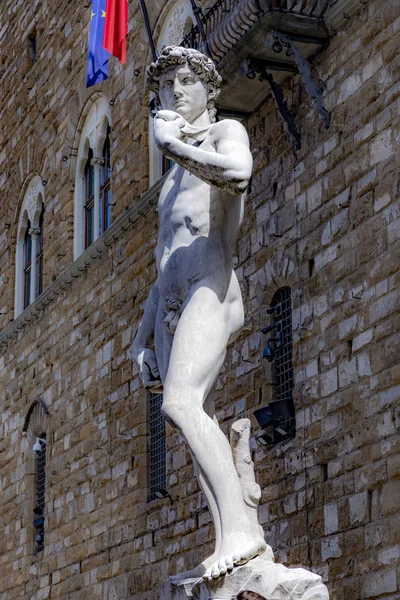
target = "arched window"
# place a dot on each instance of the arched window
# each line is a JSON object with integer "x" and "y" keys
{"x": 277, "y": 419}
{"x": 93, "y": 176}
{"x": 29, "y": 249}
{"x": 40, "y": 491}
{"x": 36, "y": 431}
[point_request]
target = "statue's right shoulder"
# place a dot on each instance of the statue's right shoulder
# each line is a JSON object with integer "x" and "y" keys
{"x": 230, "y": 129}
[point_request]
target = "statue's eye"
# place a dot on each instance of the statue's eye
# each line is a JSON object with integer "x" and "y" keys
{"x": 188, "y": 80}
{"x": 168, "y": 83}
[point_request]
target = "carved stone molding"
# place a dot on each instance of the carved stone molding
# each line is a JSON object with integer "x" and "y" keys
{"x": 32, "y": 198}
{"x": 34, "y": 231}
{"x": 97, "y": 161}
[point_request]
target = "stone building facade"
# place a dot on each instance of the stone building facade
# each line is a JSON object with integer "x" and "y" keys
{"x": 323, "y": 219}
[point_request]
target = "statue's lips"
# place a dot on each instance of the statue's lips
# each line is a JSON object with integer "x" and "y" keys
{"x": 180, "y": 103}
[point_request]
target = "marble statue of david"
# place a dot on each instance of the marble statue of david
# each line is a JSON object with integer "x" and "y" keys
{"x": 195, "y": 308}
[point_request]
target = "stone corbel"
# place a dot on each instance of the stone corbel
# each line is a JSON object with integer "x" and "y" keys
{"x": 261, "y": 68}
{"x": 282, "y": 40}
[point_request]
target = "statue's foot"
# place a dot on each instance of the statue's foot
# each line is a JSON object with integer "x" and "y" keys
{"x": 196, "y": 573}
{"x": 236, "y": 549}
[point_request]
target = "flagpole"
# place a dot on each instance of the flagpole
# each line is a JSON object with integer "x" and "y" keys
{"x": 145, "y": 15}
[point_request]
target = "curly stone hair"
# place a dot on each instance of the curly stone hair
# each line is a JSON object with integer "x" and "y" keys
{"x": 203, "y": 66}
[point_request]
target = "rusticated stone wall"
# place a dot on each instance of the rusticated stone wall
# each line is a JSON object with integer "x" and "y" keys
{"x": 324, "y": 220}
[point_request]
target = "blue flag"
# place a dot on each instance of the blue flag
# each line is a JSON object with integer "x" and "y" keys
{"x": 97, "y": 69}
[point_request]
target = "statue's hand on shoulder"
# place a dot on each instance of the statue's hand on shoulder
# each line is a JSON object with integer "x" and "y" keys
{"x": 148, "y": 370}
{"x": 168, "y": 127}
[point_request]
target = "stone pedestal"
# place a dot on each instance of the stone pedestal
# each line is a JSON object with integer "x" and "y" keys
{"x": 272, "y": 581}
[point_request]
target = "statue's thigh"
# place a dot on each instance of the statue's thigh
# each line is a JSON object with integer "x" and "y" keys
{"x": 199, "y": 344}
{"x": 163, "y": 342}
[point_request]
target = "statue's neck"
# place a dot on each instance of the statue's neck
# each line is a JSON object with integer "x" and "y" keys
{"x": 202, "y": 121}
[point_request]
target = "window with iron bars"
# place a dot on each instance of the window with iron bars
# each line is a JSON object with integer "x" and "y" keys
{"x": 278, "y": 351}
{"x": 40, "y": 491}
{"x": 157, "y": 448}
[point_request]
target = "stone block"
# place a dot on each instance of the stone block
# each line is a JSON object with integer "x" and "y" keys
{"x": 331, "y": 548}
{"x": 389, "y": 501}
{"x": 331, "y": 518}
{"x": 359, "y": 508}
{"x": 389, "y": 556}
{"x": 378, "y": 583}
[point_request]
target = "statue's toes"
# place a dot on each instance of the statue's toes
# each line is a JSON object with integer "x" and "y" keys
{"x": 215, "y": 572}
{"x": 222, "y": 567}
{"x": 229, "y": 563}
{"x": 237, "y": 558}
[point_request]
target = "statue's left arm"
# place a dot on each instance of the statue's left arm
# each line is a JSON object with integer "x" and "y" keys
{"x": 228, "y": 167}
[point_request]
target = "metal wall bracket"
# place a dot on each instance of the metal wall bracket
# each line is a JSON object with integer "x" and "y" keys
{"x": 256, "y": 67}
{"x": 282, "y": 40}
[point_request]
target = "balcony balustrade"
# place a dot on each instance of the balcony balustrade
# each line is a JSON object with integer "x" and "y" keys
{"x": 228, "y": 21}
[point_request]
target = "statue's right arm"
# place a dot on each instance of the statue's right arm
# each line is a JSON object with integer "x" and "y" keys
{"x": 140, "y": 351}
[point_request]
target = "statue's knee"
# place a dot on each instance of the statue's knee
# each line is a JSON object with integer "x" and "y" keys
{"x": 172, "y": 411}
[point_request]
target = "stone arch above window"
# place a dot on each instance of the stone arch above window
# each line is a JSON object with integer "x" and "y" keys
{"x": 278, "y": 271}
{"x": 36, "y": 421}
{"x": 29, "y": 247}
{"x": 92, "y": 169}
{"x": 170, "y": 30}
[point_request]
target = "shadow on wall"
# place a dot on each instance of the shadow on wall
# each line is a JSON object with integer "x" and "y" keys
{"x": 249, "y": 596}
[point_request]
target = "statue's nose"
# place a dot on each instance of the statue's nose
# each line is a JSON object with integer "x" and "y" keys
{"x": 177, "y": 90}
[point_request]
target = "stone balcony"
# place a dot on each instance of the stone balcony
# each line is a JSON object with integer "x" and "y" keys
{"x": 234, "y": 31}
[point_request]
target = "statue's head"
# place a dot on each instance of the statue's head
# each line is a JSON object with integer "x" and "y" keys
{"x": 175, "y": 59}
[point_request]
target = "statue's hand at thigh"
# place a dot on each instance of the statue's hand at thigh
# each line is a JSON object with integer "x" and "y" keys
{"x": 140, "y": 353}
{"x": 148, "y": 369}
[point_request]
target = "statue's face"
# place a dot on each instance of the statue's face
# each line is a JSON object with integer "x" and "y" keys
{"x": 182, "y": 91}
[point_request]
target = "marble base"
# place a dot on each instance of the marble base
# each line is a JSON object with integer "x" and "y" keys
{"x": 272, "y": 581}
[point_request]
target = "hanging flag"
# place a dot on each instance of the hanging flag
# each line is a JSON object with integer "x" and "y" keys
{"x": 116, "y": 28}
{"x": 97, "y": 69}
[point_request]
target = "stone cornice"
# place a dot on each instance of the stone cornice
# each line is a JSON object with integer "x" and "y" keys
{"x": 91, "y": 256}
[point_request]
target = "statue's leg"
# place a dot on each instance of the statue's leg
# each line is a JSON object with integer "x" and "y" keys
{"x": 200, "y": 570}
{"x": 163, "y": 344}
{"x": 197, "y": 355}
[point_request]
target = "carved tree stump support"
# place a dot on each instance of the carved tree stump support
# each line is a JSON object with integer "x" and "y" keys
{"x": 261, "y": 577}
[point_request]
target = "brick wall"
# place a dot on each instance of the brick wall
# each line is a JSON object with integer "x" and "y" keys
{"x": 324, "y": 220}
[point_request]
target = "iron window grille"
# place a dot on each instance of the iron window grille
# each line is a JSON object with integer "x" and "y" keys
{"x": 157, "y": 449}
{"x": 279, "y": 351}
{"x": 40, "y": 493}
{"x": 281, "y": 310}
